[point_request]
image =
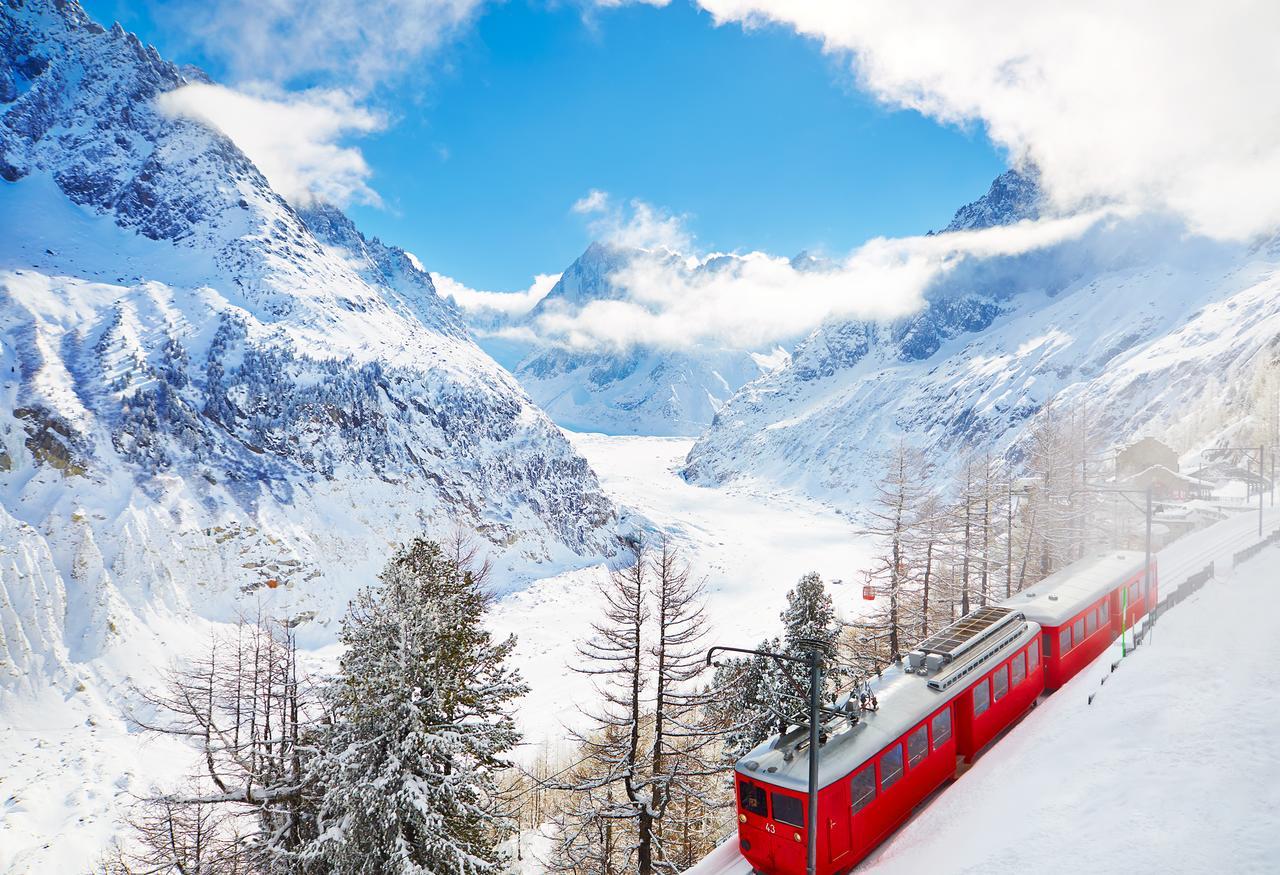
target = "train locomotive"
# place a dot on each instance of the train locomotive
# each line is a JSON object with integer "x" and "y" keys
{"x": 951, "y": 698}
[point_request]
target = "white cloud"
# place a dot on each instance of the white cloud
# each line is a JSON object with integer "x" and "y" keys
{"x": 504, "y": 304}
{"x": 1166, "y": 105}
{"x": 294, "y": 139}
{"x": 753, "y": 301}
{"x": 291, "y": 41}
{"x": 638, "y": 225}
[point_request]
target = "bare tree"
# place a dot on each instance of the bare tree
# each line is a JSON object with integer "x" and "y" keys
{"x": 244, "y": 708}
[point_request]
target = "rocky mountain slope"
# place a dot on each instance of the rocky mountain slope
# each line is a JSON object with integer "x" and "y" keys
{"x": 1138, "y": 321}
{"x": 643, "y": 389}
{"x": 208, "y": 393}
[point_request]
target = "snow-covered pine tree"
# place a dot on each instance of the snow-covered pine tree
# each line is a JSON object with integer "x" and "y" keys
{"x": 420, "y": 726}
{"x": 752, "y": 698}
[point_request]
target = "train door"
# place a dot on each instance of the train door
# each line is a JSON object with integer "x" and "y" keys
{"x": 838, "y": 844}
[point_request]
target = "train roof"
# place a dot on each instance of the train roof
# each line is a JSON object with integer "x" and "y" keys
{"x": 1065, "y": 593}
{"x": 905, "y": 698}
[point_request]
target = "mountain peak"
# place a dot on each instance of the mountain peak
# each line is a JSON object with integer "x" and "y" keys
{"x": 1013, "y": 196}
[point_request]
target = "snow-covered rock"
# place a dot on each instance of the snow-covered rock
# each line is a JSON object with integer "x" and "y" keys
{"x": 205, "y": 389}
{"x": 642, "y": 389}
{"x": 1137, "y": 320}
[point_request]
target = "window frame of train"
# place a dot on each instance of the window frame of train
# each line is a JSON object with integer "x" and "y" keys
{"x": 945, "y": 716}
{"x": 1064, "y": 641}
{"x": 762, "y": 799}
{"x": 858, "y": 803}
{"x": 1077, "y": 630}
{"x": 983, "y": 685}
{"x": 1104, "y": 612}
{"x": 780, "y": 812}
{"x": 919, "y": 734}
{"x": 1090, "y": 622}
{"x": 1033, "y": 662}
{"x": 998, "y": 677}
{"x": 888, "y": 779}
{"x": 1017, "y": 669}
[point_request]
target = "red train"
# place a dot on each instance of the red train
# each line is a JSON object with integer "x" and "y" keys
{"x": 954, "y": 695}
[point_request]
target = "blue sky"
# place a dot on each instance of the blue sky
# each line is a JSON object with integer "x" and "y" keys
{"x": 756, "y": 137}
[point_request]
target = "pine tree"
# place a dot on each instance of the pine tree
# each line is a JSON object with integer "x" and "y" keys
{"x": 420, "y": 726}
{"x": 756, "y": 697}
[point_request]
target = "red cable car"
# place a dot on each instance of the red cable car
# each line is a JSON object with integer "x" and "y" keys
{"x": 869, "y": 593}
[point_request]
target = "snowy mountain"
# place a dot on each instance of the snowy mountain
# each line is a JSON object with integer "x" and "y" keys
{"x": 642, "y": 389}
{"x": 1142, "y": 323}
{"x": 208, "y": 393}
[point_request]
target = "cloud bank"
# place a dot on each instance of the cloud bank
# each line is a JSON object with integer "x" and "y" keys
{"x": 756, "y": 300}
{"x": 294, "y": 139}
{"x": 292, "y": 42}
{"x": 1163, "y": 105}
{"x": 505, "y": 305}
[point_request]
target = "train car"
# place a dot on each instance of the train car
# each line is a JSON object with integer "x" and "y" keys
{"x": 879, "y": 765}
{"x": 1081, "y": 609}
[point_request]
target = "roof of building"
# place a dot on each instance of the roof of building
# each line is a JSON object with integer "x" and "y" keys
{"x": 1065, "y": 593}
{"x": 905, "y": 699}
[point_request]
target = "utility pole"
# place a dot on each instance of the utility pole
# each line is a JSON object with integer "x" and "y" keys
{"x": 1261, "y": 450}
{"x": 814, "y": 649}
{"x": 1146, "y": 577}
{"x": 815, "y": 712}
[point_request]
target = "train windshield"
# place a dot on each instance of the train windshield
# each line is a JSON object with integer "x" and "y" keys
{"x": 788, "y": 809}
{"x": 754, "y": 798}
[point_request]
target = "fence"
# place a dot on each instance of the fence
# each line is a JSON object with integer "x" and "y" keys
{"x": 1254, "y": 549}
{"x": 1190, "y": 587}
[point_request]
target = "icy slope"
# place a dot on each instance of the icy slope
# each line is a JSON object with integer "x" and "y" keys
{"x": 202, "y": 390}
{"x": 1134, "y": 318}
{"x": 1168, "y": 770}
{"x": 1074, "y": 787}
{"x": 643, "y": 389}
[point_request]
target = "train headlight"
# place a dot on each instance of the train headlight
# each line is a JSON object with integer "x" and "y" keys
{"x": 742, "y": 818}
{"x": 797, "y": 837}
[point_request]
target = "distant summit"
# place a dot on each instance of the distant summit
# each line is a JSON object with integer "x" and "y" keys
{"x": 1013, "y": 196}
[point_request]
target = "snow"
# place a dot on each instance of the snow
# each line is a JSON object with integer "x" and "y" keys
{"x": 751, "y": 542}
{"x": 1170, "y": 769}
{"x": 1139, "y": 323}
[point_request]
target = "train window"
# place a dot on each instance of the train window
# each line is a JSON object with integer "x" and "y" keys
{"x": 917, "y": 745}
{"x": 863, "y": 789}
{"x": 1078, "y": 631}
{"x": 1000, "y": 683}
{"x": 788, "y": 809}
{"x": 1064, "y": 641}
{"x": 1133, "y": 593}
{"x": 1017, "y": 669}
{"x": 1104, "y": 612}
{"x": 1090, "y": 623}
{"x": 753, "y": 798}
{"x": 1048, "y": 646}
{"x": 981, "y": 697}
{"x": 941, "y": 728}
{"x": 890, "y": 767}
{"x": 1033, "y": 656}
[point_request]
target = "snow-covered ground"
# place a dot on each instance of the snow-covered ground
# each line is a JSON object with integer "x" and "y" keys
{"x": 751, "y": 542}
{"x": 70, "y": 765}
{"x": 1171, "y": 769}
